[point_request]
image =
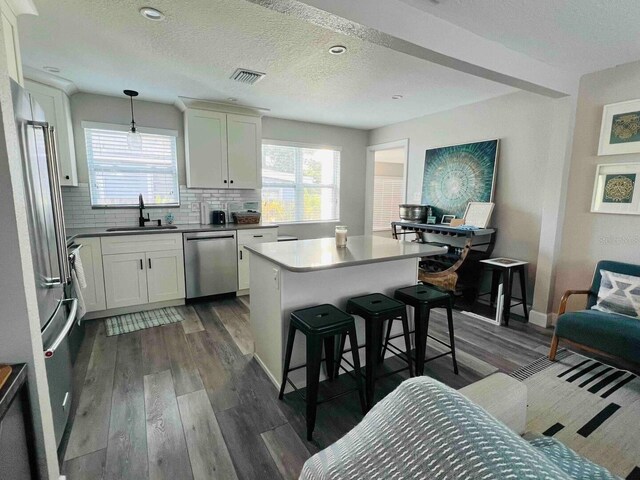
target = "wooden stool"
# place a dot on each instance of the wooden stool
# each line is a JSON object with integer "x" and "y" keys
{"x": 376, "y": 309}
{"x": 423, "y": 298}
{"x": 505, "y": 268}
{"x": 320, "y": 325}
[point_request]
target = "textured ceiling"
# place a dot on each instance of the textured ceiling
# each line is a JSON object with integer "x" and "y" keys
{"x": 106, "y": 46}
{"x": 581, "y": 35}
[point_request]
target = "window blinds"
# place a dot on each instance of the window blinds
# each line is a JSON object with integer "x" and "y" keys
{"x": 300, "y": 184}
{"x": 388, "y": 194}
{"x": 118, "y": 174}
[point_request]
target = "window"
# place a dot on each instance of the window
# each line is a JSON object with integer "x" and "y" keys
{"x": 300, "y": 183}
{"x": 118, "y": 174}
{"x": 389, "y": 193}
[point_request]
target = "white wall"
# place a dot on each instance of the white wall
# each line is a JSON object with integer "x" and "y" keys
{"x": 521, "y": 122}
{"x": 352, "y": 170}
{"x": 589, "y": 237}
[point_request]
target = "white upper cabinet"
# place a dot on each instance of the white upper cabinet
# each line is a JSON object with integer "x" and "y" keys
{"x": 244, "y": 140}
{"x": 11, "y": 41}
{"x": 57, "y": 111}
{"x": 222, "y": 150}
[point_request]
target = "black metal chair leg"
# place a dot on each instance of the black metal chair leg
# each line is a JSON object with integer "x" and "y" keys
{"x": 287, "y": 359}
{"x": 407, "y": 340}
{"x": 451, "y": 336}
{"x": 386, "y": 341}
{"x": 522, "y": 273}
{"x": 356, "y": 362}
{"x": 339, "y": 353}
{"x": 372, "y": 349}
{"x": 314, "y": 357}
{"x": 329, "y": 356}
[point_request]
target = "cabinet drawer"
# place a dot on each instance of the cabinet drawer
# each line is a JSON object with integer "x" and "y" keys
{"x": 141, "y": 243}
{"x": 257, "y": 235}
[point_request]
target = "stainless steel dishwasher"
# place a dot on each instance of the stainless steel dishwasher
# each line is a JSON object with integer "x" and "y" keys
{"x": 210, "y": 263}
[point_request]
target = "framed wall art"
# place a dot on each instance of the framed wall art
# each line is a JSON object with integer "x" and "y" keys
{"x": 458, "y": 174}
{"x": 620, "y": 129}
{"x": 616, "y": 189}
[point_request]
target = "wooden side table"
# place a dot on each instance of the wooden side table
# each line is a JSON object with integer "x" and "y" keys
{"x": 506, "y": 268}
{"x": 16, "y": 388}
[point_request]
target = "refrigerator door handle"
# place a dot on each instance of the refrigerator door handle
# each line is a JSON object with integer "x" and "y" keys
{"x": 56, "y": 202}
{"x": 48, "y": 352}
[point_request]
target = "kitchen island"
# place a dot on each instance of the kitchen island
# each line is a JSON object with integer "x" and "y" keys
{"x": 287, "y": 276}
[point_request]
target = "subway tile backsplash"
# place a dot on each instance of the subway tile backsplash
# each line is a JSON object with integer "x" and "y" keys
{"x": 79, "y": 214}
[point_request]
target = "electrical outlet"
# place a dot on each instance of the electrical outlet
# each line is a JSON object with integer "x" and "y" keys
{"x": 195, "y": 206}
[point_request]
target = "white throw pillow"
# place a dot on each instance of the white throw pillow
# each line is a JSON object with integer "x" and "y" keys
{"x": 619, "y": 293}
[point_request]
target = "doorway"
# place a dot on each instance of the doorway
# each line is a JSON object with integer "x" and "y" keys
{"x": 386, "y": 185}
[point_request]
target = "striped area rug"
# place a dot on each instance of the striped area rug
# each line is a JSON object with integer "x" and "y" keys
{"x": 132, "y": 322}
{"x": 589, "y": 406}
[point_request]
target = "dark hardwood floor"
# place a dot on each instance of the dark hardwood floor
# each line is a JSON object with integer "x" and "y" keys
{"x": 188, "y": 400}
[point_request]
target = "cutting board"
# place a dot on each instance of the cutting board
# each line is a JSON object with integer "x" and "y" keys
{"x": 5, "y": 371}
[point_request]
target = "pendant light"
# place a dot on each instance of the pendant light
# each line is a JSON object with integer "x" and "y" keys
{"x": 134, "y": 139}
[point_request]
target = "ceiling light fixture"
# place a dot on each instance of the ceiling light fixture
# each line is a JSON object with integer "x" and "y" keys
{"x": 337, "y": 50}
{"x": 397, "y": 97}
{"x": 51, "y": 69}
{"x": 134, "y": 139}
{"x": 151, "y": 13}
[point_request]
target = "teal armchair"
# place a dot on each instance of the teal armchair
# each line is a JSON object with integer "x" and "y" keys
{"x": 606, "y": 334}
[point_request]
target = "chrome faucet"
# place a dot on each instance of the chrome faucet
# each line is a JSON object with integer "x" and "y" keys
{"x": 141, "y": 219}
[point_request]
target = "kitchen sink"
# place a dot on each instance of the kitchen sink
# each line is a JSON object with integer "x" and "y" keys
{"x": 137, "y": 229}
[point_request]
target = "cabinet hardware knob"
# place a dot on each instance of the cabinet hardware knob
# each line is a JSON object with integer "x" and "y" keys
{"x": 231, "y": 181}
{"x": 141, "y": 265}
{"x": 67, "y": 177}
{"x": 149, "y": 263}
{"x": 225, "y": 181}
{"x": 240, "y": 254}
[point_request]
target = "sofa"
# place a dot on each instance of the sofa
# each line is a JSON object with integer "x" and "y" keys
{"x": 596, "y": 330}
{"x": 426, "y": 430}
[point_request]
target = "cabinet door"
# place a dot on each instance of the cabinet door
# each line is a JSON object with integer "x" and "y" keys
{"x": 243, "y": 268}
{"x": 165, "y": 275}
{"x": 91, "y": 257}
{"x": 244, "y": 137}
{"x": 57, "y": 112}
{"x": 206, "y": 149}
{"x": 125, "y": 279}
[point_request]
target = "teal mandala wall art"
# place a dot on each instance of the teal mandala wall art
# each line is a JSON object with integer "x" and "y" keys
{"x": 459, "y": 174}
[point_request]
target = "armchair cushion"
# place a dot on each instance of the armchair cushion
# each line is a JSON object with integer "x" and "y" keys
{"x": 611, "y": 333}
{"x": 619, "y": 293}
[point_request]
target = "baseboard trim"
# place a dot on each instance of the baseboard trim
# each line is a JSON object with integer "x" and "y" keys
{"x": 540, "y": 319}
{"x": 266, "y": 370}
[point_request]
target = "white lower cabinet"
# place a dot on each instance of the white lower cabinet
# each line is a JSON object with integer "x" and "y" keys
{"x": 165, "y": 275}
{"x": 125, "y": 280}
{"x": 140, "y": 269}
{"x": 91, "y": 257}
{"x": 251, "y": 237}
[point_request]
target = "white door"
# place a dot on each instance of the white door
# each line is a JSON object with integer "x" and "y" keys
{"x": 244, "y": 141}
{"x": 206, "y": 149}
{"x": 125, "y": 279}
{"x": 243, "y": 268}
{"x": 91, "y": 256}
{"x": 165, "y": 275}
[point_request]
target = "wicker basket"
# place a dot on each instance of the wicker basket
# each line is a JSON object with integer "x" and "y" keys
{"x": 244, "y": 218}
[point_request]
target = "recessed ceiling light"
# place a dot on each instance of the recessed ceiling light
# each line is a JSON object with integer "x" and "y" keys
{"x": 151, "y": 13}
{"x": 232, "y": 99}
{"x": 337, "y": 50}
{"x": 397, "y": 97}
{"x": 51, "y": 69}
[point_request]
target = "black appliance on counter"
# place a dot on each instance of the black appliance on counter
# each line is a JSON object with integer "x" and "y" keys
{"x": 218, "y": 217}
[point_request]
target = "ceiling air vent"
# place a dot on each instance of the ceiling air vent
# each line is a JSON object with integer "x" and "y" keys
{"x": 247, "y": 76}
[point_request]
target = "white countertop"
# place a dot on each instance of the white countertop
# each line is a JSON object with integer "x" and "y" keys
{"x": 322, "y": 253}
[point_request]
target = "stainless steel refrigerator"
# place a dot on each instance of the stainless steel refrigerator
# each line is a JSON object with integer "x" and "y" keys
{"x": 43, "y": 198}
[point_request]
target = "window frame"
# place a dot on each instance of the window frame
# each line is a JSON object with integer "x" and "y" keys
{"x": 299, "y": 186}
{"x": 125, "y": 128}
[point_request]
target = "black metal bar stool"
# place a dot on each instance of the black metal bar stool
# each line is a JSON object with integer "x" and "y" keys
{"x": 320, "y": 324}
{"x": 376, "y": 309}
{"x": 423, "y": 298}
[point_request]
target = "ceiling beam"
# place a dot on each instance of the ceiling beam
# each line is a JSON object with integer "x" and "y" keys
{"x": 399, "y": 26}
